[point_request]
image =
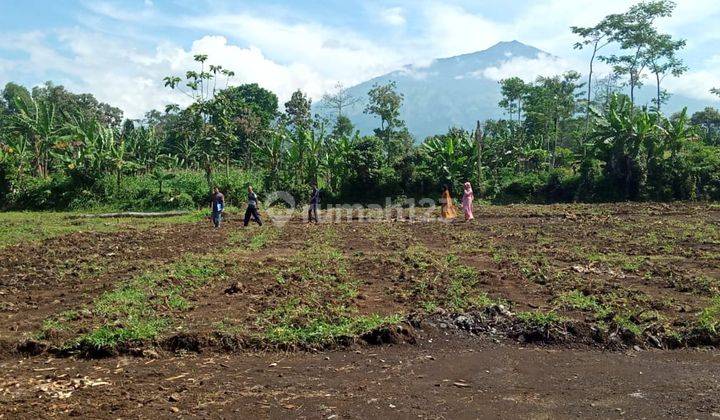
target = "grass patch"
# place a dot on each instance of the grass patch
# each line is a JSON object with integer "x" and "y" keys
{"x": 629, "y": 263}
{"x": 21, "y": 227}
{"x": 577, "y": 300}
{"x": 442, "y": 281}
{"x": 296, "y": 323}
{"x": 709, "y": 319}
{"x": 131, "y": 330}
{"x": 625, "y": 321}
{"x": 324, "y": 332}
{"x": 462, "y": 292}
{"x": 133, "y": 311}
{"x": 261, "y": 239}
{"x": 538, "y": 319}
{"x": 229, "y": 327}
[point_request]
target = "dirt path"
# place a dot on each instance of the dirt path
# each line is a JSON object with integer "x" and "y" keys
{"x": 446, "y": 378}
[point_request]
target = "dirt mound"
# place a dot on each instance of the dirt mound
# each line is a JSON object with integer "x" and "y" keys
{"x": 185, "y": 342}
{"x": 394, "y": 334}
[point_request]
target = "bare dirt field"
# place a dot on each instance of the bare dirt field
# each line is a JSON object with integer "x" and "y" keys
{"x": 529, "y": 311}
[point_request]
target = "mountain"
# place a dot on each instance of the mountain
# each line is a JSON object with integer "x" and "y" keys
{"x": 458, "y": 91}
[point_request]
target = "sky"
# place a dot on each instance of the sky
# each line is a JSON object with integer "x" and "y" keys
{"x": 120, "y": 51}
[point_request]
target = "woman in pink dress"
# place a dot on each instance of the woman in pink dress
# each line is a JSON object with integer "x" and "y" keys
{"x": 467, "y": 202}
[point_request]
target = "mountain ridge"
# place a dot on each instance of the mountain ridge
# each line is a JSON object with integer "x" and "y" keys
{"x": 457, "y": 91}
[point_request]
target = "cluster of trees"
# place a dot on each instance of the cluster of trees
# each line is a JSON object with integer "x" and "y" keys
{"x": 565, "y": 139}
{"x": 618, "y": 150}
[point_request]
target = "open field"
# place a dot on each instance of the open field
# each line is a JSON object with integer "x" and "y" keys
{"x": 541, "y": 310}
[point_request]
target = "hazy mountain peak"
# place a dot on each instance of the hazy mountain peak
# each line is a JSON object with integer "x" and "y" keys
{"x": 454, "y": 91}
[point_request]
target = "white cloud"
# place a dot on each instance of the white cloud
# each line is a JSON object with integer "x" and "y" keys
{"x": 136, "y": 85}
{"x": 527, "y": 69}
{"x": 336, "y": 53}
{"x": 695, "y": 84}
{"x": 451, "y": 30}
{"x": 393, "y": 16}
{"x": 284, "y": 54}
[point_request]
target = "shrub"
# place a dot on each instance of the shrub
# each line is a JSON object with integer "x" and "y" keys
{"x": 521, "y": 187}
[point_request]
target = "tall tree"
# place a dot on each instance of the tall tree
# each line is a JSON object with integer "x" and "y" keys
{"x": 244, "y": 114}
{"x": 662, "y": 60}
{"x": 715, "y": 91}
{"x": 513, "y": 90}
{"x": 68, "y": 103}
{"x": 298, "y": 110}
{"x": 13, "y": 92}
{"x": 605, "y": 87}
{"x": 550, "y": 103}
{"x": 709, "y": 120}
{"x": 597, "y": 38}
{"x": 198, "y": 130}
{"x": 385, "y": 102}
{"x": 343, "y": 128}
{"x": 339, "y": 100}
{"x": 635, "y": 32}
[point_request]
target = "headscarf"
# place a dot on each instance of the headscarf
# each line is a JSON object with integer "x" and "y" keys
{"x": 468, "y": 188}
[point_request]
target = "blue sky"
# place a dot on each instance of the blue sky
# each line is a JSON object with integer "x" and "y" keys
{"x": 121, "y": 50}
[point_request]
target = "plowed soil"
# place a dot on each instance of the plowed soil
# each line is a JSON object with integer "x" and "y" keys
{"x": 529, "y": 311}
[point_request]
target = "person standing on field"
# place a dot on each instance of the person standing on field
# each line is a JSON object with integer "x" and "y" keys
{"x": 447, "y": 211}
{"x": 217, "y": 206}
{"x": 314, "y": 202}
{"x": 252, "y": 208}
{"x": 467, "y": 202}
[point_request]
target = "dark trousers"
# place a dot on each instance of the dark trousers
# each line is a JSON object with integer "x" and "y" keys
{"x": 217, "y": 218}
{"x": 312, "y": 212}
{"x": 252, "y": 212}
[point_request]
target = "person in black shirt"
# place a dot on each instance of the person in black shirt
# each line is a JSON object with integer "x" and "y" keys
{"x": 217, "y": 206}
{"x": 314, "y": 201}
{"x": 252, "y": 208}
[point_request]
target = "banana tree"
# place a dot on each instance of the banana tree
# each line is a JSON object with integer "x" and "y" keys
{"x": 17, "y": 151}
{"x": 118, "y": 157}
{"x": 338, "y": 160}
{"x": 451, "y": 157}
{"x": 145, "y": 146}
{"x": 677, "y": 131}
{"x": 316, "y": 155}
{"x": 271, "y": 150}
{"x": 161, "y": 176}
{"x": 86, "y": 148}
{"x": 36, "y": 120}
{"x": 625, "y": 138}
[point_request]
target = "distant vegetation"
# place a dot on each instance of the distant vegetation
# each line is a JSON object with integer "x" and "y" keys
{"x": 566, "y": 138}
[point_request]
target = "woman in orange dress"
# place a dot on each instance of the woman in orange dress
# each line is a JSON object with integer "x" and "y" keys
{"x": 448, "y": 208}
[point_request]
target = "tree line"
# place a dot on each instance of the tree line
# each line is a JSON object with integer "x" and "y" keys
{"x": 565, "y": 138}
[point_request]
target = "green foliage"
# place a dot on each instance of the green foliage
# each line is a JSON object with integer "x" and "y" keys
{"x": 542, "y": 320}
{"x": 130, "y": 312}
{"x": 61, "y": 150}
{"x": 132, "y": 330}
{"x": 288, "y": 330}
{"x": 450, "y": 158}
{"x": 709, "y": 319}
